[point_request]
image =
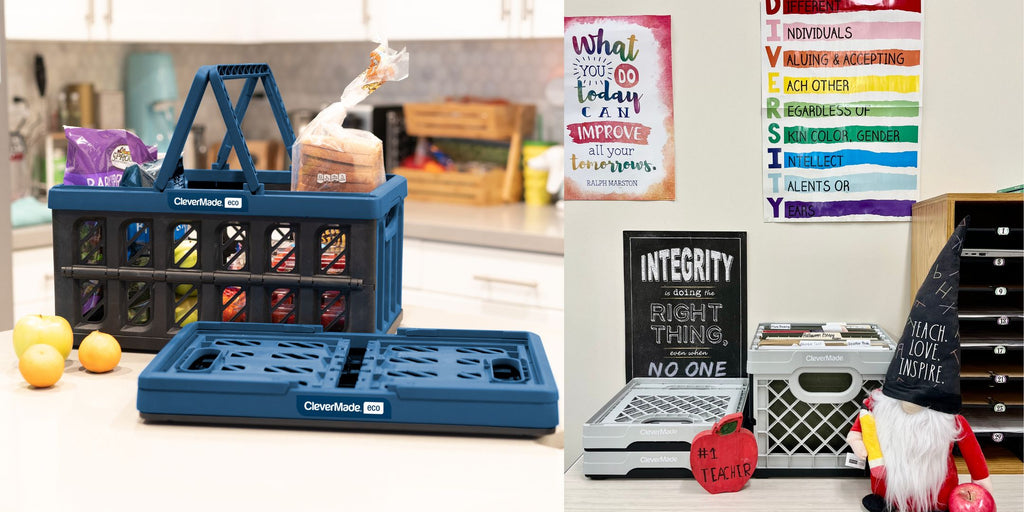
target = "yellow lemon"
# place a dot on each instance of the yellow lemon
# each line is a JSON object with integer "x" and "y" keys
{"x": 99, "y": 352}
{"x": 182, "y": 309}
{"x": 183, "y": 261}
{"x": 41, "y": 365}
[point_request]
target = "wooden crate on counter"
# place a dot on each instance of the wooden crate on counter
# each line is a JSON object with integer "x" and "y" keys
{"x": 480, "y": 121}
{"x": 475, "y": 188}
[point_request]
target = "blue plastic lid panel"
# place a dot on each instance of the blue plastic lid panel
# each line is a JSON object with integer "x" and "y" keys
{"x": 486, "y": 378}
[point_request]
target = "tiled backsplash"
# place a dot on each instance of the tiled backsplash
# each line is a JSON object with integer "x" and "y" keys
{"x": 311, "y": 75}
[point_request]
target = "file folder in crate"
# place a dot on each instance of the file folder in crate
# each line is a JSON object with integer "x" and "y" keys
{"x": 233, "y": 245}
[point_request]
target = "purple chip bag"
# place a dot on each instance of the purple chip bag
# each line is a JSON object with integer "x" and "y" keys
{"x": 98, "y": 158}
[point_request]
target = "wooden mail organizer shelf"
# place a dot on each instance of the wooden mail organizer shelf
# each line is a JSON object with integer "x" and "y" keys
{"x": 991, "y": 309}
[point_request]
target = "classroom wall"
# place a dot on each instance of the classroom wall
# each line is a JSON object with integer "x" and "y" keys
{"x": 972, "y": 140}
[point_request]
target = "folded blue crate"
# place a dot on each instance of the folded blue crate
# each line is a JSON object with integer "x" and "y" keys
{"x": 434, "y": 380}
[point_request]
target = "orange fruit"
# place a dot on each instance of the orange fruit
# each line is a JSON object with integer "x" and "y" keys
{"x": 41, "y": 365}
{"x": 99, "y": 352}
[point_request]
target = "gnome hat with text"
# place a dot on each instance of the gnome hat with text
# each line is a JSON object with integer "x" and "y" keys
{"x": 925, "y": 370}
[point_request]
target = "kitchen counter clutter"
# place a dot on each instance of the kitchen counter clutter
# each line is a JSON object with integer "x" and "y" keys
{"x": 82, "y": 446}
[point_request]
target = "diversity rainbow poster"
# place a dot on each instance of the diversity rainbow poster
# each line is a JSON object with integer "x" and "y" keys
{"x": 841, "y": 109}
{"x": 618, "y": 108}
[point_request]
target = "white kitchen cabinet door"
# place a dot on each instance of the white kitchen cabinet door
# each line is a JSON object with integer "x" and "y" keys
{"x": 496, "y": 275}
{"x": 311, "y": 20}
{"x": 177, "y": 21}
{"x": 53, "y": 20}
{"x": 32, "y": 271}
{"x": 541, "y": 18}
{"x": 404, "y": 20}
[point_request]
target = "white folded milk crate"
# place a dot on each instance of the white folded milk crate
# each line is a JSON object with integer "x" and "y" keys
{"x": 647, "y": 428}
{"x": 808, "y": 383}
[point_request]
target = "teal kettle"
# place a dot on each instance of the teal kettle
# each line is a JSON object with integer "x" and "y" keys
{"x": 150, "y": 93}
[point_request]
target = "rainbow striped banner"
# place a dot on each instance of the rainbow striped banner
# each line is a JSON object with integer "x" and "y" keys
{"x": 851, "y": 31}
{"x": 895, "y": 108}
{"x": 849, "y": 134}
{"x": 851, "y": 84}
{"x": 841, "y": 116}
{"x": 865, "y": 182}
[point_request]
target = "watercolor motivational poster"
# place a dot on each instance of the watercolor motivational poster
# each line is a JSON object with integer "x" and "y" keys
{"x": 618, "y": 108}
{"x": 841, "y": 109}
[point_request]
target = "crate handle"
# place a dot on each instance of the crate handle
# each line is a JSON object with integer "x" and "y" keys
{"x": 232, "y": 115}
{"x": 820, "y": 397}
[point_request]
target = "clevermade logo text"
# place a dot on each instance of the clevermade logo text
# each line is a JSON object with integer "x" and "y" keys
{"x": 203, "y": 202}
{"x": 658, "y": 432}
{"x": 663, "y": 459}
{"x": 328, "y": 407}
{"x": 830, "y": 358}
{"x": 206, "y": 202}
{"x": 331, "y": 407}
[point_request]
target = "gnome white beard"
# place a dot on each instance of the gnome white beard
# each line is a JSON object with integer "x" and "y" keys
{"x": 916, "y": 452}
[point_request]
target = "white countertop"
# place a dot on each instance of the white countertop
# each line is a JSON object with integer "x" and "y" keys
{"x": 515, "y": 226}
{"x": 81, "y": 446}
{"x": 760, "y": 494}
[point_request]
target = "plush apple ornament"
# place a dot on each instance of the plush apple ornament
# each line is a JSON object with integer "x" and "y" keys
{"x": 971, "y": 498}
{"x": 724, "y": 458}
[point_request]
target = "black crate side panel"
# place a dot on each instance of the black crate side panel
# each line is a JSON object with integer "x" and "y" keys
{"x": 160, "y": 284}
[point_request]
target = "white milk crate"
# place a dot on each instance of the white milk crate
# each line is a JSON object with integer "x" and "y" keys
{"x": 806, "y": 397}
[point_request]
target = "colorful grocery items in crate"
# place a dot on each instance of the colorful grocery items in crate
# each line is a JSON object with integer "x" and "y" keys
{"x": 329, "y": 158}
{"x": 128, "y": 267}
{"x": 98, "y": 158}
{"x": 43, "y": 342}
{"x": 724, "y": 458}
{"x": 911, "y": 424}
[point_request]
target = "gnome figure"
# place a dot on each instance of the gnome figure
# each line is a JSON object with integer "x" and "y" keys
{"x": 910, "y": 426}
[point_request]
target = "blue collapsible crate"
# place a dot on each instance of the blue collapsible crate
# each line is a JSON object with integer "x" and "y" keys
{"x": 461, "y": 381}
{"x": 232, "y": 245}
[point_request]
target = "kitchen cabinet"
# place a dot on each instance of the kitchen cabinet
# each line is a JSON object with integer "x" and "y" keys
{"x": 541, "y": 18}
{"x": 183, "y": 21}
{"x": 178, "y": 21}
{"x": 457, "y": 19}
{"x": 492, "y": 275}
{"x": 32, "y": 281}
{"x": 310, "y": 20}
{"x": 443, "y": 19}
{"x": 72, "y": 20}
{"x": 266, "y": 21}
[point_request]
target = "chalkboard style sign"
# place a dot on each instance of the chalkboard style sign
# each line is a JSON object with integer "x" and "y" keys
{"x": 686, "y": 303}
